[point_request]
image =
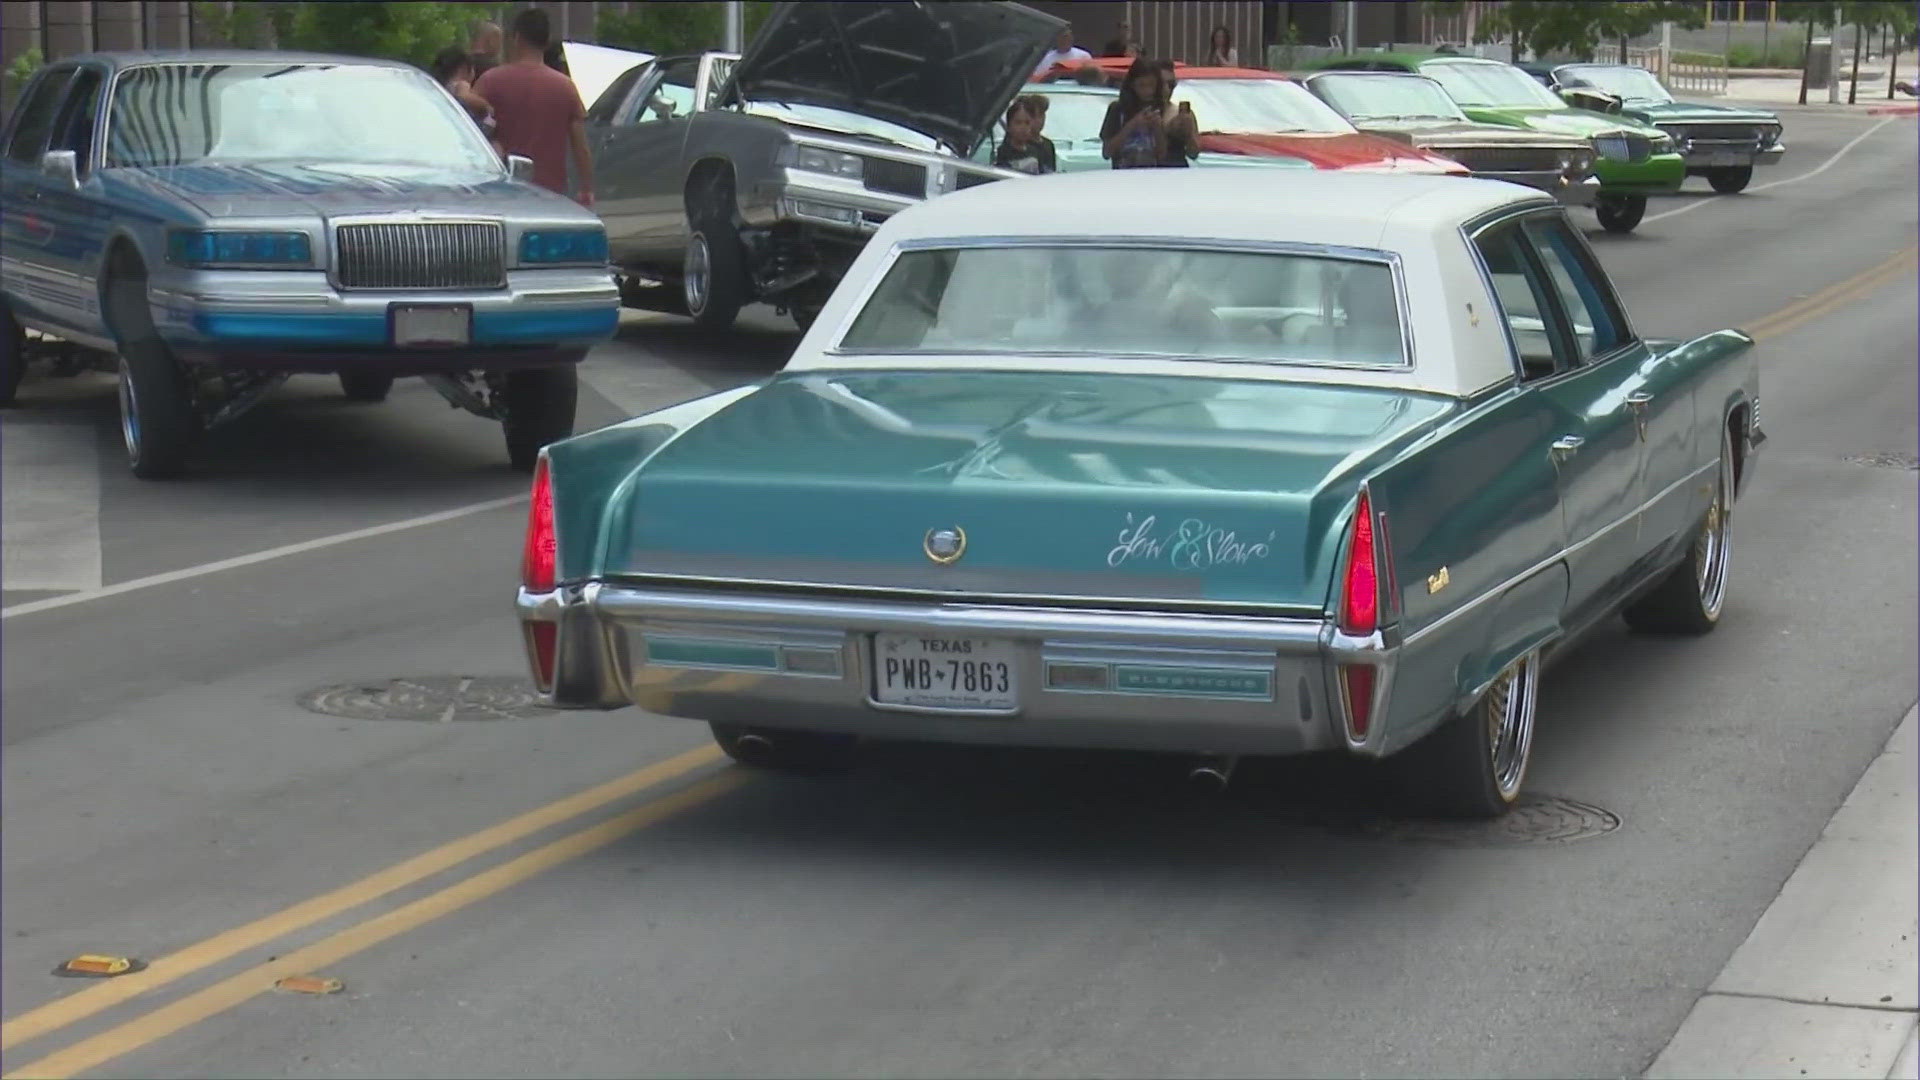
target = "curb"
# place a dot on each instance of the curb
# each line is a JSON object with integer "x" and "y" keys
{"x": 1824, "y": 985}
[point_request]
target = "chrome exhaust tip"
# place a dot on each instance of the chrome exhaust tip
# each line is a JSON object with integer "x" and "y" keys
{"x": 753, "y": 745}
{"x": 1213, "y": 774}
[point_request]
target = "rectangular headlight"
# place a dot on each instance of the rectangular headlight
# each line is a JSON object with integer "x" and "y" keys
{"x": 832, "y": 162}
{"x": 563, "y": 247}
{"x": 200, "y": 248}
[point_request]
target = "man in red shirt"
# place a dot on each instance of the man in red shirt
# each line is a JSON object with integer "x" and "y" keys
{"x": 537, "y": 111}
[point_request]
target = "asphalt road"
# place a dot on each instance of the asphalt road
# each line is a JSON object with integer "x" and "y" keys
{"x": 935, "y": 913}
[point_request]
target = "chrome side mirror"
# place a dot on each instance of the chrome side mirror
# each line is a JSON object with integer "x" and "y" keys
{"x": 520, "y": 167}
{"x": 63, "y": 166}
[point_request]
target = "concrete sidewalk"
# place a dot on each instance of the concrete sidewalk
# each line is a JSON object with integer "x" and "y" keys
{"x": 1826, "y": 984}
{"x": 1775, "y": 88}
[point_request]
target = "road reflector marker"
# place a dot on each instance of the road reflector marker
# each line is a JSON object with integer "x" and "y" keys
{"x": 98, "y": 966}
{"x": 308, "y": 984}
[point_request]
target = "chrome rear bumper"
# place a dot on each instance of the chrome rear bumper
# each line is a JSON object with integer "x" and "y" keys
{"x": 1096, "y": 679}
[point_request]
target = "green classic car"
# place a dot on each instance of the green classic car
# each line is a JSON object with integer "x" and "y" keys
{"x": 1634, "y": 160}
{"x": 1074, "y": 115}
{"x": 1205, "y": 461}
{"x": 1720, "y": 142}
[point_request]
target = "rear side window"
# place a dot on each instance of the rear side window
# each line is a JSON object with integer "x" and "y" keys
{"x": 1597, "y": 326}
{"x": 36, "y": 118}
{"x": 1525, "y": 300}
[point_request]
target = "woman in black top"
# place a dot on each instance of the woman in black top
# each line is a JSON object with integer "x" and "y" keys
{"x": 1132, "y": 136}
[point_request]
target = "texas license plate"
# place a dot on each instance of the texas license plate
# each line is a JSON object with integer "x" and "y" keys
{"x": 931, "y": 671}
{"x": 418, "y": 325}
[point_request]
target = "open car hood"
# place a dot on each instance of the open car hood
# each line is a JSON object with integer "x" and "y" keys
{"x": 946, "y": 69}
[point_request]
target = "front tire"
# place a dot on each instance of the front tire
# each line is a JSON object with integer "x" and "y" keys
{"x": 1473, "y": 765}
{"x": 714, "y": 275}
{"x": 158, "y": 422}
{"x": 786, "y": 751}
{"x": 365, "y": 385}
{"x": 1730, "y": 181}
{"x": 1690, "y": 599}
{"x": 1620, "y": 213}
{"x": 13, "y": 355}
{"x": 538, "y": 408}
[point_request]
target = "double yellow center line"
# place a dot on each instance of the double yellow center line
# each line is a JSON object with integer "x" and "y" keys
{"x": 140, "y": 1031}
{"x": 1805, "y": 310}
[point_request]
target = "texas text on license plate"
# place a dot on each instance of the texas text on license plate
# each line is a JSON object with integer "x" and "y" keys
{"x": 932, "y": 671}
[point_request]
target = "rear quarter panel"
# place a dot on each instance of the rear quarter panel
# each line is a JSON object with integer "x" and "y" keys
{"x": 1468, "y": 511}
{"x": 593, "y": 475}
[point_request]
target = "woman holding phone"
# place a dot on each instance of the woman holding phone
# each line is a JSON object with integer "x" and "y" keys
{"x": 1182, "y": 129}
{"x": 1133, "y": 135}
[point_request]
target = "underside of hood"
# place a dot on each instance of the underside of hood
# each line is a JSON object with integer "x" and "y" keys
{"x": 946, "y": 69}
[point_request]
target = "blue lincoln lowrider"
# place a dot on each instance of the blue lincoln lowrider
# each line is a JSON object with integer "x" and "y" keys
{"x": 213, "y": 222}
{"x": 1337, "y": 471}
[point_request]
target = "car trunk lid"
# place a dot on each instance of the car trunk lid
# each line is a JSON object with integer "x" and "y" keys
{"x": 1075, "y": 487}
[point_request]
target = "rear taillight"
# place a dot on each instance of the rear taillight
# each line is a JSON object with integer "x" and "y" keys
{"x": 1360, "y": 594}
{"x": 1360, "y": 615}
{"x": 537, "y": 557}
{"x": 538, "y": 573}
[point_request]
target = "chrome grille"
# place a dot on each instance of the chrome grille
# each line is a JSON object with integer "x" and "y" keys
{"x": 1714, "y": 132}
{"x": 1505, "y": 159}
{"x": 1624, "y": 146}
{"x": 897, "y": 177}
{"x": 421, "y": 255}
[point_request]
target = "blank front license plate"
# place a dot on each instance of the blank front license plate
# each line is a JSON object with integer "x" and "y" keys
{"x": 1726, "y": 159}
{"x": 431, "y": 324}
{"x": 939, "y": 672}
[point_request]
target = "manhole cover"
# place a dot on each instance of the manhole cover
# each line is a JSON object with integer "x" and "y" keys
{"x": 1538, "y": 819}
{"x": 441, "y": 698}
{"x": 1891, "y": 459}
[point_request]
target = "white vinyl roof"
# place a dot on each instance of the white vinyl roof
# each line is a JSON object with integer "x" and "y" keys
{"x": 1460, "y": 345}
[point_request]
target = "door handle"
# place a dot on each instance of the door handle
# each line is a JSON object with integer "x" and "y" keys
{"x": 1565, "y": 447}
{"x": 1638, "y": 400}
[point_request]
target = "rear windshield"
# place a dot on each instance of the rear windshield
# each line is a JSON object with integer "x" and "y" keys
{"x": 1074, "y": 300}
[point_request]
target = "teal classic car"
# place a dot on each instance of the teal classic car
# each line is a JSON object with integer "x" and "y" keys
{"x": 1720, "y": 142}
{"x": 1633, "y": 160}
{"x": 1335, "y": 471}
{"x": 1074, "y": 115}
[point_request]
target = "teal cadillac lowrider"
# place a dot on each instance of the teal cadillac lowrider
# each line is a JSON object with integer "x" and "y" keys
{"x": 1337, "y": 471}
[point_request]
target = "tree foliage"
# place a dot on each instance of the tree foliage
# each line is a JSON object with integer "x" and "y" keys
{"x": 1579, "y": 27}
{"x": 664, "y": 29}
{"x": 412, "y": 31}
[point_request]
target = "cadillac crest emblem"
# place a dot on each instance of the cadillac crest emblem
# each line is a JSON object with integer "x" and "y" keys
{"x": 945, "y": 545}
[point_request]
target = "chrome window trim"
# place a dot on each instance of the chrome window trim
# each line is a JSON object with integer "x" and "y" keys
{"x": 1390, "y": 259}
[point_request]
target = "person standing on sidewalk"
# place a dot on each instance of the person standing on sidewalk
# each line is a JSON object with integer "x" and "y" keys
{"x": 537, "y": 111}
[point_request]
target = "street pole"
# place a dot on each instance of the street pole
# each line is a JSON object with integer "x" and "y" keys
{"x": 1853, "y": 82}
{"x": 733, "y": 26}
{"x": 1666, "y": 51}
{"x": 1806, "y": 62}
{"x": 1353, "y": 26}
